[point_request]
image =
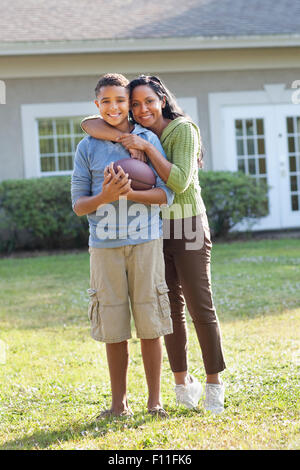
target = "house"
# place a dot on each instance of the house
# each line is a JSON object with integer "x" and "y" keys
{"x": 234, "y": 66}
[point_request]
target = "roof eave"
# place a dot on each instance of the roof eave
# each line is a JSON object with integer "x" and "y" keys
{"x": 148, "y": 44}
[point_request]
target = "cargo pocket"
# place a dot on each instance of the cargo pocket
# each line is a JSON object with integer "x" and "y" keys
{"x": 93, "y": 303}
{"x": 94, "y": 315}
{"x": 163, "y": 299}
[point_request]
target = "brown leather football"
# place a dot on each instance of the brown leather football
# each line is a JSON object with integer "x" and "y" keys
{"x": 141, "y": 175}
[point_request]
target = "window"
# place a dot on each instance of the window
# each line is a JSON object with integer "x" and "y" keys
{"x": 51, "y": 132}
{"x": 58, "y": 139}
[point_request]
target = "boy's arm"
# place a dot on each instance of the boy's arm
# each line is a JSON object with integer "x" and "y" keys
{"x": 99, "y": 129}
{"x": 148, "y": 197}
{"x": 87, "y": 204}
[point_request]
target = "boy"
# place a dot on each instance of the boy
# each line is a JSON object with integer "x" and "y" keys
{"x": 124, "y": 263}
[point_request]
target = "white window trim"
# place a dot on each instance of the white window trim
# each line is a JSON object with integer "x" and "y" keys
{"x": 272, "y": 94}
{"x": 31, "y": 112}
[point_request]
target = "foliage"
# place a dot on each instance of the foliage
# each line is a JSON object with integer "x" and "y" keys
{"x": 37, "y": 213}
{"x": 230, "y": 198}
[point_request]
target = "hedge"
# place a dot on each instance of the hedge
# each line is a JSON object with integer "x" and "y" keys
{"x": 230, "y": 198}
{"x": 37, "y": 214}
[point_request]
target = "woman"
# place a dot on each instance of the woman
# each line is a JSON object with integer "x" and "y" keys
{"x": 187, "y": 262}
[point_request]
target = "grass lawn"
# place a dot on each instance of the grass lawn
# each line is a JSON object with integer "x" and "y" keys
{"x": 54, "y": 378}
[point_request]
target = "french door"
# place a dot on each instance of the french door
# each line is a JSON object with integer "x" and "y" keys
{"x": 264, "y": 142}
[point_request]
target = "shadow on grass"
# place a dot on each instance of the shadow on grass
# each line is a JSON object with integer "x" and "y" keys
{"x": 92, "y": 429}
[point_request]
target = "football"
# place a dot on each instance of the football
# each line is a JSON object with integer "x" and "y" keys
{"x": 141, "y": 175}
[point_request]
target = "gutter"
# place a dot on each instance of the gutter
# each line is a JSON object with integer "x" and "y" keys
{"x": 147, "y": 45}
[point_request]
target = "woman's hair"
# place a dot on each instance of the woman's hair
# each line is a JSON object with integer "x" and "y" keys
{"x": 171, "y": 110}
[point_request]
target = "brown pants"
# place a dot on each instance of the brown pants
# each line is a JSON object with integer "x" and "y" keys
{"x": 188, "y": 278}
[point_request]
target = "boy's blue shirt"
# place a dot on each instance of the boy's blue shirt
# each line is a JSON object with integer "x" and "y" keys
{"x": 121, "y": 222}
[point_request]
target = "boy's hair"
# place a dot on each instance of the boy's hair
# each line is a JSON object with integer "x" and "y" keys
{"x": 111, "y": 79}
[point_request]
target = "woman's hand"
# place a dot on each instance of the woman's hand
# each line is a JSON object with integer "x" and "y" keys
{"x": 160, "y": 163}
{"x": 133, "y": 141}
{"x": 138, "y": 155}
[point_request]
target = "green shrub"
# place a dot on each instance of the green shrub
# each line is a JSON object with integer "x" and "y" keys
{"x": 231, "y": 197}
{"x": 37, "y": 213}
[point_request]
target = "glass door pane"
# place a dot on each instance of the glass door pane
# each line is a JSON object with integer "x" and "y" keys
{"x": 250, "y": 147}
{"x": 293, "y": 145}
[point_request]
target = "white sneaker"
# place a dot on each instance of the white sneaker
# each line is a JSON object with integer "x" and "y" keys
{"x": 189, "y": 395}
{"x": 214, "y": 398}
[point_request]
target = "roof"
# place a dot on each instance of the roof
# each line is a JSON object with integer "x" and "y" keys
{"x": 81, "y": 20}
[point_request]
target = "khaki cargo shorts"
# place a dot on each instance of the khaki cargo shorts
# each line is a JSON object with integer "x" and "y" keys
{"x": 128, "y": 279}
